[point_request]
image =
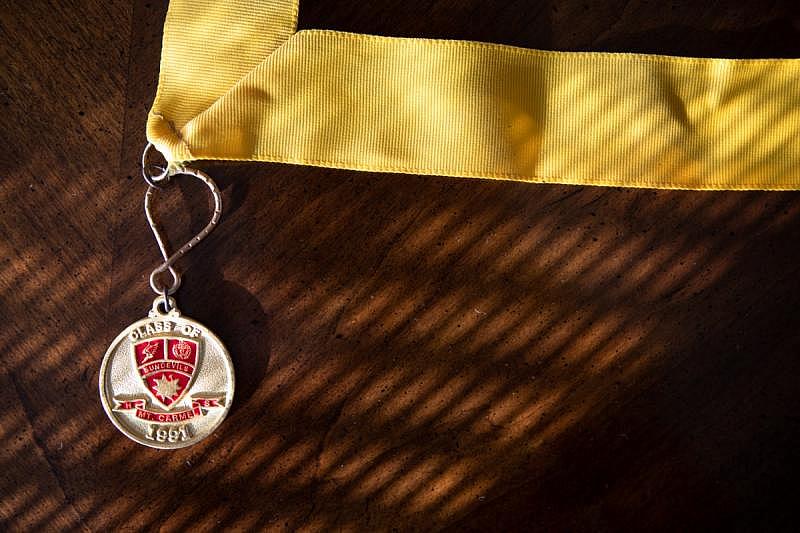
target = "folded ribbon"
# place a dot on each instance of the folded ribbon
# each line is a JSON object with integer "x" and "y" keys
{"x": 238, "y": 82}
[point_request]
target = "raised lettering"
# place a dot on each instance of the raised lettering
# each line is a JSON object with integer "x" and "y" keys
{"x": 160, "y": 433}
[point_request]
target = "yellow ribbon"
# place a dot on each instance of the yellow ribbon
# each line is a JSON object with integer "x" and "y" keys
{"x": 238, "y": 82}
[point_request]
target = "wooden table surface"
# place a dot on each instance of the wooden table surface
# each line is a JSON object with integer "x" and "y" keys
{"x": 412, "y": 353}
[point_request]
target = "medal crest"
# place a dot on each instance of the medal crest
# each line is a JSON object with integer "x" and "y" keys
{"x": 166, "y": 367}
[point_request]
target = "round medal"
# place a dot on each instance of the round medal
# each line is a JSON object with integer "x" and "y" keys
{"x": 166, "y": 381}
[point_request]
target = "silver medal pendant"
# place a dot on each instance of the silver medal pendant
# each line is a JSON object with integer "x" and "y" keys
{"x": 167, "y": 381}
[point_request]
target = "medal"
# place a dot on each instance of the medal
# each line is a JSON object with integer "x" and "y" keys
{"x": 167, "y": 381}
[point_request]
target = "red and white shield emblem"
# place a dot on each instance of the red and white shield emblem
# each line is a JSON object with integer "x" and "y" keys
{"x": 166, "y": 365}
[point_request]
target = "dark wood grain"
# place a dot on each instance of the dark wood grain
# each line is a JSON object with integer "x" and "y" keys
{"x": 412, "y": 353}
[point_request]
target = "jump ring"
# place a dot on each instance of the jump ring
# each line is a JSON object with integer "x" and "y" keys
{"x": 166, "y": 300}
{"x": 153, "y": 180}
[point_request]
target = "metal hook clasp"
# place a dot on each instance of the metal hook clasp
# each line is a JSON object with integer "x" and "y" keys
{"x": 169, "y": 260}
